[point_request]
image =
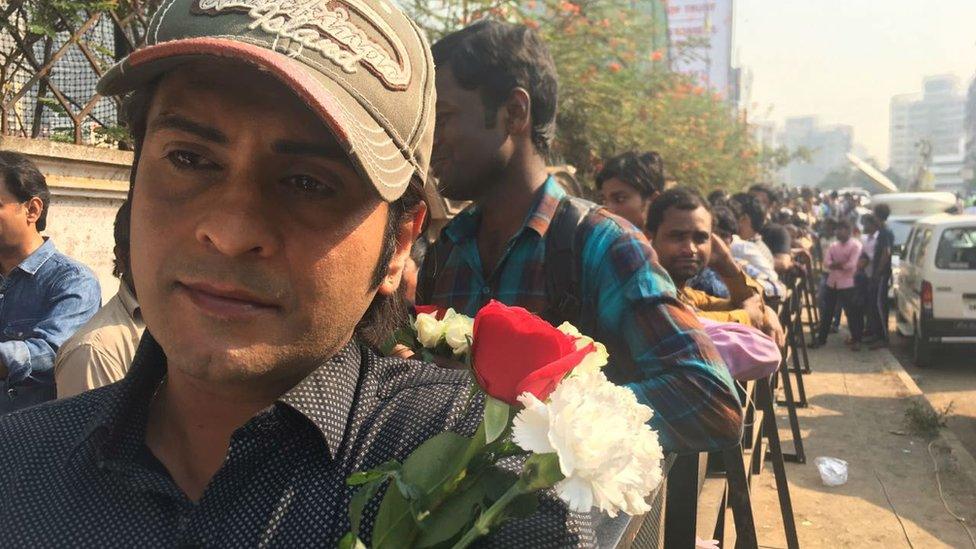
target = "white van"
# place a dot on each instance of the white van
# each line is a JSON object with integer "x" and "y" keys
{"x": 906, "y": 209}
{"x": 936, "y": 296}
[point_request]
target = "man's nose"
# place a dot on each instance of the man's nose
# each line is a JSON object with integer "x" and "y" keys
{"x": 239, "y": 221}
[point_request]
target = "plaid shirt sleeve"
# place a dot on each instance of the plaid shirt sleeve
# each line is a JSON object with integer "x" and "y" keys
{"x": 674, "y": 368}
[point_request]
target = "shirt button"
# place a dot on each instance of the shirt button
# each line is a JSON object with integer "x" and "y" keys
{"x": 486, "y": 290}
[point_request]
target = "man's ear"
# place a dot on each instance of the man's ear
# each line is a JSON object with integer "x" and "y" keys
{"x": 35, "y": 208}
{"x": 517, "y": 112}
{"x": 407, "y": 233}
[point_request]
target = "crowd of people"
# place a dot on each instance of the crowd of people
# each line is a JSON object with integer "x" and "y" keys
{"x": 270, "y": 244}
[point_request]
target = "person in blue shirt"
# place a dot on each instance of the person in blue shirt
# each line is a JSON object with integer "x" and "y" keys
{"x": 45, "y": 296}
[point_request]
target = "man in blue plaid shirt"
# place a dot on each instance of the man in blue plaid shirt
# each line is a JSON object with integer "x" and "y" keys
{"x": 496, "y": 111}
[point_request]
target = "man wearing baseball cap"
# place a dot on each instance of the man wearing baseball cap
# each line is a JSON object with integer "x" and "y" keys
{"x": 280, "y": 152}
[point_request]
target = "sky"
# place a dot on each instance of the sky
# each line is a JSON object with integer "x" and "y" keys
{"x": 842, "y": 60}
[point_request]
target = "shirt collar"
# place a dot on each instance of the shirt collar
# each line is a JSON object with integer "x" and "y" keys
{"x": 36, "y": 260}
{"x": 325, "y": 398}
{"x": 128, "y": 300}
{"x": 464, "y": 226}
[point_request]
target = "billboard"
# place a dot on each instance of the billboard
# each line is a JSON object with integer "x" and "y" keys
{"x": 700, "y": 38}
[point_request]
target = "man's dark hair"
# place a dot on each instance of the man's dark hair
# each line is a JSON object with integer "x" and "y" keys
{"x": 495, "y": 58}
{"x": 678, "y": 197}
{"x": 643, "y": 172}
{"x": 882, "y": 211}
{"x": 870, "y": 218}
{"x": 724, "y": 220}
{"x": 773, "y": 194}
{"x": 25, "y": 181}
{"x": 751, "y": 208}
{"x": 123, "y": 219}
{"x": 385, "y": 313}
{"x": 718, "y": 197}
{"x": 842, "y": 224}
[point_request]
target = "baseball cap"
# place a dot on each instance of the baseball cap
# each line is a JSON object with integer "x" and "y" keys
{"x": 361, "y": 65}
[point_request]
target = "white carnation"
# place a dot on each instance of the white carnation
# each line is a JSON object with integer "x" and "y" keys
{"x": 609, "y": 455}
{"x": 593, "y": 361}
{"x": 457, "y": 333}
{"x": 429, "y": 330}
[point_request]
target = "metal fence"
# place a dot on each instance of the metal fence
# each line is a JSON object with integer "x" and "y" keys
{"x": 52, "y": 53}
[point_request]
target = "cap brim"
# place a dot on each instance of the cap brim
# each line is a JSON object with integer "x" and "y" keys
{"x": 371, "y": 149}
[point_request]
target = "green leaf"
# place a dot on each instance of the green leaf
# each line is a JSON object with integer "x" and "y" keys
{"x": 370, "y": 481}
{"x": 394, "y": 527}
{"x": 359, "y": 501}
{"x": 432, "y": 469}
{"x": 453, "y": 516}
{"x": 351, "y": 541}
{"x": 409, "y": 491}
{"x": 436, "y": 461}
{"x": 382, "y": 471}
{"x": 541, "y": 471}
{"x": 523, "y": 506}
{"x": 496, "y": 418}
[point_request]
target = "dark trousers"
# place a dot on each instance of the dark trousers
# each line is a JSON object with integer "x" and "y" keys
{"x": 848, "y": 301}
{"x": 876, "y": 308}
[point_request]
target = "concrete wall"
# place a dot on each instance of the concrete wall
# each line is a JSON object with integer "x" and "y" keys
{"x": 87, "y": 186}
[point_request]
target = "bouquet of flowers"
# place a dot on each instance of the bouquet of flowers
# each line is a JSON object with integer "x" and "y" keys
{"x": 548, "y": 404}
{"x": 434, "y": 332}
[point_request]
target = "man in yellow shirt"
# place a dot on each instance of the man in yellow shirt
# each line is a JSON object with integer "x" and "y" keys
{"x": 101, "y": 351}
{"x": 680, "y": 225}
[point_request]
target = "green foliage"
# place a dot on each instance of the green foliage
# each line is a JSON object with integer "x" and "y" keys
{"x": 925, "y": 421}
{"x": 49, "y": 17}
{"x": 497, "y": 418}
{"x": 617, "y": 93}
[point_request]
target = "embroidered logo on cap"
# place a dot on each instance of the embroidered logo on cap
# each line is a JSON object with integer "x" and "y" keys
{"x": 331, "y": 31}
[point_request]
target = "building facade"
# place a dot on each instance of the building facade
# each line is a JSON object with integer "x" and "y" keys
{"x": 828, "y": 146}
{"x": 926, "y": 125}
{"x": 969, "y": 169}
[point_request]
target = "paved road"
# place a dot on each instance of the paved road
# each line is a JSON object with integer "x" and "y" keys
{"x": 950, "y": 378}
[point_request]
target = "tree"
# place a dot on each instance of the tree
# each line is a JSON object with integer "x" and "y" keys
{"x": 617, "y": 93}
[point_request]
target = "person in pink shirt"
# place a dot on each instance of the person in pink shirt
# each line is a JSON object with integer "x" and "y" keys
{"x": 841, "y": 262}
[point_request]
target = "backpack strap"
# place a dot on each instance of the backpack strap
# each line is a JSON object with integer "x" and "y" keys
{"x": 563, "y": 266}
{"x": 434, "y": 263}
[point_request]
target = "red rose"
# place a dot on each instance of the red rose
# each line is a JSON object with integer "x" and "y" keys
{"x": 515, "y": 351}
{"x": 435, "y": 310}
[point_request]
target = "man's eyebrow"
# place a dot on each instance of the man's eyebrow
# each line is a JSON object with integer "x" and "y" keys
{"x": 327, "y": 150}
{"x": 180, "y": 123}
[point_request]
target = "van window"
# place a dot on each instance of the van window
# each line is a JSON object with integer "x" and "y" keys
{"x": 957, "y": 249}
{"x": 906, "y": 253}
{"x": 921, "y": 243}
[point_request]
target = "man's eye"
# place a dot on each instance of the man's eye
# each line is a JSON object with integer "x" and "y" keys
{"x": 309, "y": 185}
{"x": 187, "y": 160}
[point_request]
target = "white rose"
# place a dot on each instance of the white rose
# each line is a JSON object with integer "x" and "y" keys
{"x": 609, "y": 455}
{"x": 457, "y": 333}
{"x": 429, "y": 330}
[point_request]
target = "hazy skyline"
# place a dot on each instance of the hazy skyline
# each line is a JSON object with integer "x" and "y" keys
{"x": 843, "y": 61}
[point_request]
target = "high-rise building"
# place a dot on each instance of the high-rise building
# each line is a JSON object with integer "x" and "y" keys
{"x": 969, "y": 171}
{"x": 925, "y": 125}
{"x": 828, "y": 146}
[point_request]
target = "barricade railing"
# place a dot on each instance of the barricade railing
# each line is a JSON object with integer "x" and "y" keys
{"x": 688, "y": 498}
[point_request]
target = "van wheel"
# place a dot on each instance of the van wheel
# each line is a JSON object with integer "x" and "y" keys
{"x": 921, "y": 350}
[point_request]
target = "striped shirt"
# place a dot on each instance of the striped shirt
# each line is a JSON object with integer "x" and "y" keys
{"x": 657, "y": 347}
